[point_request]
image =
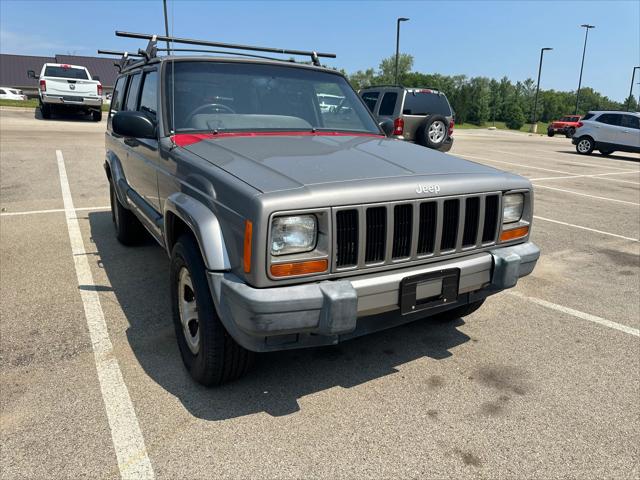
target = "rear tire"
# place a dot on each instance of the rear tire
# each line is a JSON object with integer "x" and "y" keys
{"x": 96, "y": 115}
{"x": 569, "y": 132}
{"x": 45, "y": 111}
{"x": 550, "y": 132}
{"x": 585, "y": 145}
{"x": 209, "y": 353}
{"x": 459, "y": 312}
{"x": 433, "y": 132}
{"x": 129, "y": 230}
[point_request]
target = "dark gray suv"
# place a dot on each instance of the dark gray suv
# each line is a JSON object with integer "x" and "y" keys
{"x": 291, "y": 223}
{"x": 420, "y": 115}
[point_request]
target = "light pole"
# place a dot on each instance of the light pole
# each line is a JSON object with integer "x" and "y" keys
{"x": 534, "y": 124}
{"x": 633, "y": 74}
{"x": 166, "y": 24}
{"x": 401, "y": 19}
{"x": 586, "y": 26}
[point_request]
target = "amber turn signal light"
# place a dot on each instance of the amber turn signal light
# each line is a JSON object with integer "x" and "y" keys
{"x": 299, "y": 268}
{"x": 514, "y": 233}
{"x": 248, "y": 234}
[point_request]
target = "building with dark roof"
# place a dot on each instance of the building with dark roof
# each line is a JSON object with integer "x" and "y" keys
{"x": 13, "y": 70}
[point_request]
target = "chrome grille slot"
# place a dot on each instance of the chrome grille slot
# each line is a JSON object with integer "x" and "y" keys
{"x": 427, "y": 229}
{"x": 376, "y": 234}
{"x": 402, "y": 226}
{"x": 471, "y": 219}
{"x": 491, "y": 210}
{"x": 347, "y": 238}
{"x": 451, "y": 211}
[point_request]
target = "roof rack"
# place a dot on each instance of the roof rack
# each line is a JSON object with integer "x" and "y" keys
{"x": 125, "y": 59}
{"x": 151, "y": 50}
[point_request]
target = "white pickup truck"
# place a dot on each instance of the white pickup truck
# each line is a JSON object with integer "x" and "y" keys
{"x": 68, "y": 87}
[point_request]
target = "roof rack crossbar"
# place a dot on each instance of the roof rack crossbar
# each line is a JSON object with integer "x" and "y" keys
{"x": 125, "y": 59}
{"x": 188, "y": 41}
{"x": 204, "y": 50}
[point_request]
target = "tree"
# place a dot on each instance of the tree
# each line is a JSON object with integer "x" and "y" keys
{"x": 513, "y": 116}
{"x": 480, "y": 99}
{"x": 362, "y": 79}
{"x": 630, "y": 104}
{"x": 388, "y": 68}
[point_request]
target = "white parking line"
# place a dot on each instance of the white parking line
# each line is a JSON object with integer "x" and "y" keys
{"x": 587, "y": 195}
{"x": 578, "y": 314}
{"x": 586, "y": 228}
{"x": 51, "y": 210}
{"x": 128, "y": 442}
{"x": 512, "y": 163}
{"x": 571, "y": 162}
{"x": 600, "y": 159}
{"x": 593, "y": 175}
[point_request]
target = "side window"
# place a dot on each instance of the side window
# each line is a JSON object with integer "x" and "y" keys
{"x": 132, "y": 93}
{"x": 630, "y": 121}
{"x": 118, "y": 94}
{"x": 370, "y": 99}
{"x": 2, "y": 91}
{"x": 149, "y": 97}
{"x": 609, "y": 119}
{"x": 388, "y": 104}
{"x": 588, "y": 116}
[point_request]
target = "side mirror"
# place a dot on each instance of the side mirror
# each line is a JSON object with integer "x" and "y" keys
{"x": 32, "y": 74}
{"x": 387, "y": 127}
{"x": 133, "y": 125}
{"x": 95, "y": 77}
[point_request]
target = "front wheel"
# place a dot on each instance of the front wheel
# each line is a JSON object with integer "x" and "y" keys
{"x": 585, "y": 145}
{"x": 209, "y": 353}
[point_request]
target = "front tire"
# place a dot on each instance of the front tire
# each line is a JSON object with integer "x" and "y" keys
{"x": 129, "y": 230}
{"x": 550, "y": 132}
{"x": 585, "y": 145}
{"x": 209, "y": 353}
{"x": 96, "y": 115}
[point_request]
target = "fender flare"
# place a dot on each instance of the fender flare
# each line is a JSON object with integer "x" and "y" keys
{"x": 112, "y": 162}
{"x": 205, "y": 226}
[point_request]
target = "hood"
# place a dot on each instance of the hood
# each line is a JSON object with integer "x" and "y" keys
{"x": 285, "y": 162}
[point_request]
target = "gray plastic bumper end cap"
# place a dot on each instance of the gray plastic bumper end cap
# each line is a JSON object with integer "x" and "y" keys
{"x": 339, "y": 309}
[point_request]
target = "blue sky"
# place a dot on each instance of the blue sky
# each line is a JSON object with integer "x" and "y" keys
{"x": 489, "y": 38}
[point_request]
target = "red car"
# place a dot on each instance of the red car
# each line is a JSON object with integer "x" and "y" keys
{"x": 566, "y": 125}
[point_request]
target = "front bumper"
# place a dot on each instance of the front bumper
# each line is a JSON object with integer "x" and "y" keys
{"x": 326, "y": 312}
{"x": 72, "y": 101}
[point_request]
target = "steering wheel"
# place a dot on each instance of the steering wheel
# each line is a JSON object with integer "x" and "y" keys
{"x": 201, "y": 108}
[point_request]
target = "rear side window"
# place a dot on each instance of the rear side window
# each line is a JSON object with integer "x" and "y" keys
{"x": 149, "y": 97}
{"x": 370, "y": 99}
{"x": 588, "y": 116}
{"x": 630, "y": 121}
{"x": 66, "y": 72}
{"x": 609, "y": 119}
{"x": 421, "y": 103}
{"x": 2, "y": 91}
{"x": 388, "y": 104}
{"x": 132, "y": 93}
{"x": 118, "y": 94}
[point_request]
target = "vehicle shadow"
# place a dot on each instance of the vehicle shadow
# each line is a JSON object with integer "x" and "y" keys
{"x": 63, "y": 116}
{"x": 139, "y": 278}
{"x": 616, "y": 156}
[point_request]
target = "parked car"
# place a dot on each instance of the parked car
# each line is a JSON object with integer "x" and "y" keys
{"x": 329, "y": 102}
{"x": 566, "y": 125}
{"x": 608, "y": 132}
{"x": 12, "y": 94}
{"x": 289, "y": 226}
{"x": 68, "y": 88}
{"x": 420, "y": 115}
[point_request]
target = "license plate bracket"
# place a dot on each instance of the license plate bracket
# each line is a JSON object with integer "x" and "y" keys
{"x": 410, "y": 301}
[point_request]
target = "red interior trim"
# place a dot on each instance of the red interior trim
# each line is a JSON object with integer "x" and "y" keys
{"x": 185, "y": 139}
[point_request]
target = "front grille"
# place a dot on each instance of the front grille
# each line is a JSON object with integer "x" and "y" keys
{"x": 367, "y": 236}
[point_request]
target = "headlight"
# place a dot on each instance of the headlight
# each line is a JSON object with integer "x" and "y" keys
{"x": 293, "y": 234}
{"x": 512, "y": 206}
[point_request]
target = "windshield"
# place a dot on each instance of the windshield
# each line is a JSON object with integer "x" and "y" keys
{"x": 218, "y": 96}
{"x": 65, "y": 71}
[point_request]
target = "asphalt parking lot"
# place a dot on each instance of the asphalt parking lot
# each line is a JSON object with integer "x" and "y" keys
{"x": 543, "y": 382}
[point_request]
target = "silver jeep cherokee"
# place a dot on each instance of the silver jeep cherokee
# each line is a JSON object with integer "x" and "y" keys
{"x": 290, "y": 225}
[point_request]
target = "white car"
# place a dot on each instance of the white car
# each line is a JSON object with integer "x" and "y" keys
{"x": 68, "y": 87}
{"x": 608, "y": 132}
{"x": 12, "y": 94}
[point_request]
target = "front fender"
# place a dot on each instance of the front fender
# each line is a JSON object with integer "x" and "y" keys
{"x": 204, "y": 225}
